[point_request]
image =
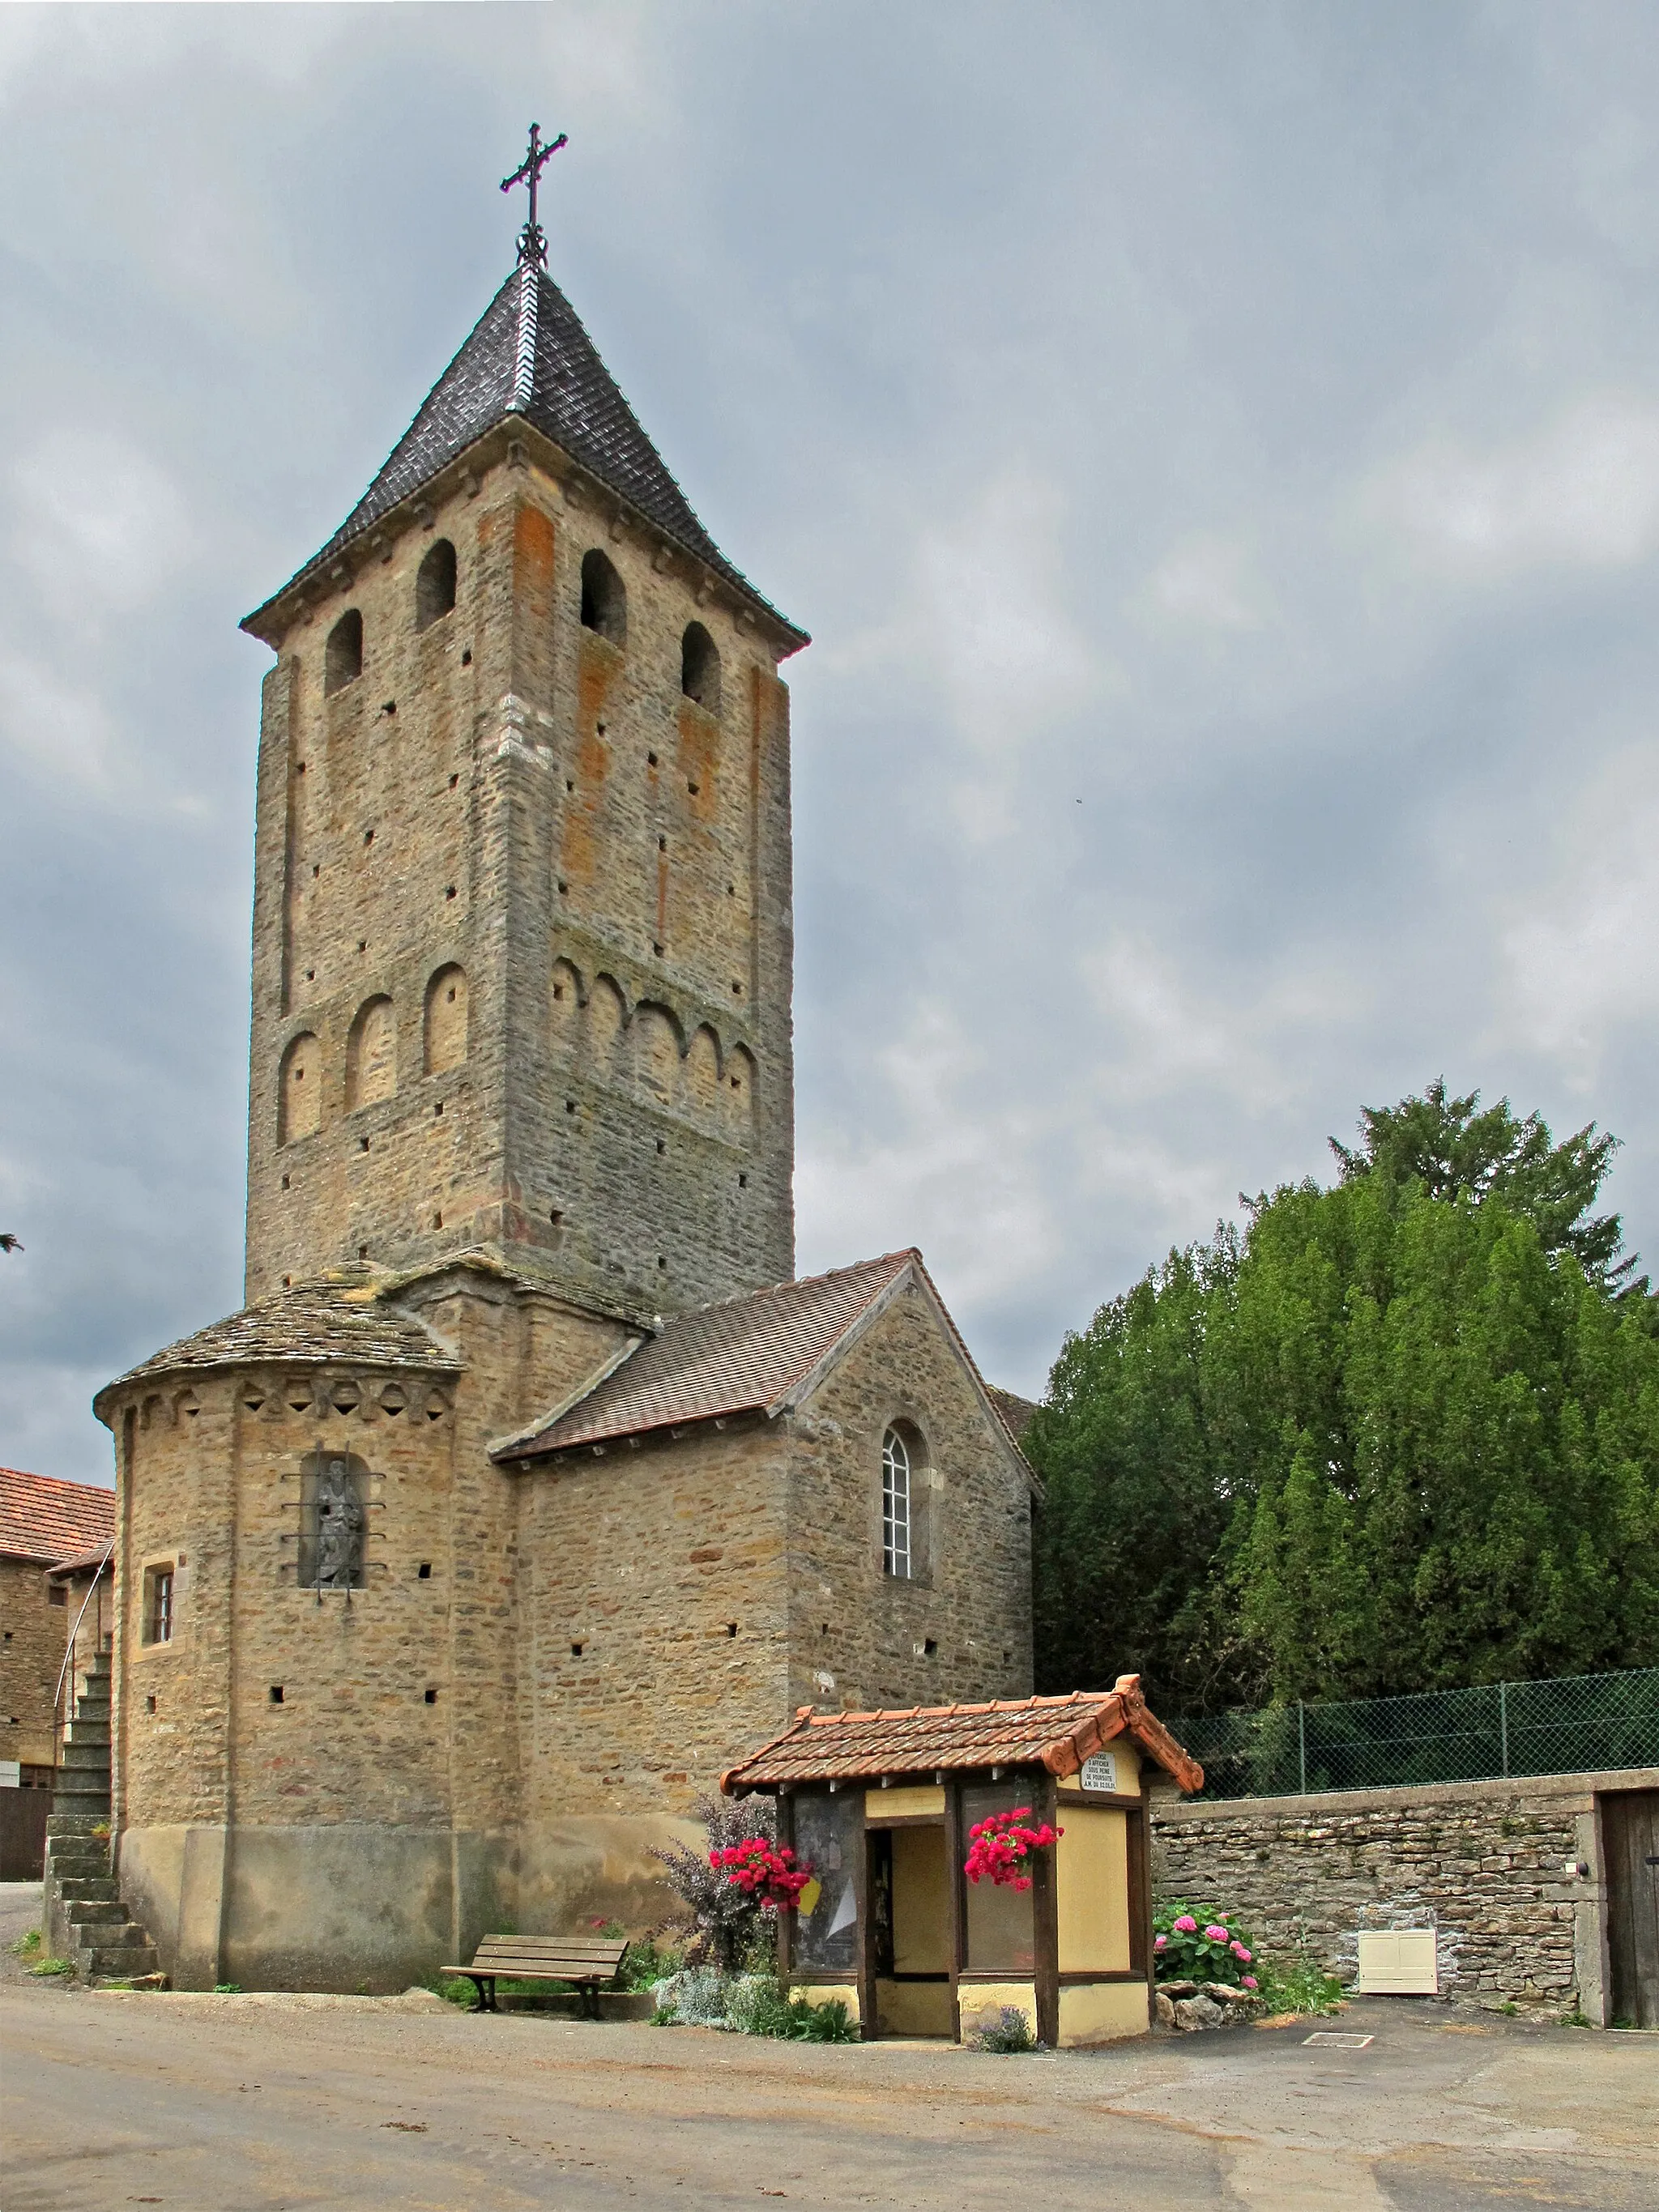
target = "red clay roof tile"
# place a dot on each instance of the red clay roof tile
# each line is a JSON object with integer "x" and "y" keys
{"x": 1055, "y": 1733}
{"x": 43, "y": 1517}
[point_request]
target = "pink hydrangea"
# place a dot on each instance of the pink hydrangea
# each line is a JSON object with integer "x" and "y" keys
{"x": 1248, "y": 1980}
{"x": 1186, "y": 1926}
{"x": 1160, "y": 1943}
{"x": 1239, "y": 1952}
{"x": 1212, "y": 1934}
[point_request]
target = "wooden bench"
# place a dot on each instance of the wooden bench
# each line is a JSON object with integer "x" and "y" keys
{"x": 587, "y": 1961}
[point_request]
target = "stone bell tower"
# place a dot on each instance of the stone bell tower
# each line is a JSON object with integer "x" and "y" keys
{"x": 522, "y": 942}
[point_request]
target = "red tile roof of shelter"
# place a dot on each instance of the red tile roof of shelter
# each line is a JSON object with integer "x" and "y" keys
{"x": 753, "y": 1354}
{"x": 43, "y": 1517}
{"x": 1055, "y": 1733}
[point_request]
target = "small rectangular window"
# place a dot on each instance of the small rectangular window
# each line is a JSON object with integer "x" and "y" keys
{"x": 56, "y": 1594}
{"x": 158, "y": 1605}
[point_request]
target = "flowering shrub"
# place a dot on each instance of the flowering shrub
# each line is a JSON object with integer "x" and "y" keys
{"x": 1208, "y": 1949}
{"x": 732, "y": 1922}
{"x": 763, "y": 1869}
{"x": 998, "y": 1846}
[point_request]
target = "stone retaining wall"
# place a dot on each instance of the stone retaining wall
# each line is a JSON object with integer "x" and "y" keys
{"x": 1482, "y": 1862}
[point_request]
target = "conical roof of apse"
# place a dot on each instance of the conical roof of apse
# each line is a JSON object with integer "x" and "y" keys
{"x": 529, "y": 355}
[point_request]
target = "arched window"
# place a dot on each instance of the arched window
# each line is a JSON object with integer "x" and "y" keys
{"x": 300, "y": 1091}
{"x": 371, "y": 1056}
{"x": 445, "y": 1020}
{"x": 895, "y": 1474}
{"x": 700, "y": 667}
{"x": 435, "y": 584}
{"x": 342, "y": 657}
{"x": 604, "y": 598}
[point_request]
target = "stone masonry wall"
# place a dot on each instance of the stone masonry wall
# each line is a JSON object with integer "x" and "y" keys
{"x": 656, "y": 1620}
{"x": 961, "y": 1629}
{"x": 1482, "y": 1862}
{"x": 30, "y": 1658}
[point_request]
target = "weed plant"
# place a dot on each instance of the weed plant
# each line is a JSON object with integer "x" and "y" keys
{"x": 1009, "y": 2034}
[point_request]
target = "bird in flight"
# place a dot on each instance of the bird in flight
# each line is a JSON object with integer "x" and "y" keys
{"x": 8, "y": 1242}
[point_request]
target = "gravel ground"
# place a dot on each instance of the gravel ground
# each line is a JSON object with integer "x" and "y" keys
{"x": 259, "y": 2102}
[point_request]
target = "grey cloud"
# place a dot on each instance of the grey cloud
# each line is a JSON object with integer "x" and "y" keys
{"x": 1241, "y": 424}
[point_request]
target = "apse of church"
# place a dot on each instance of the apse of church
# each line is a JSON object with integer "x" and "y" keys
{"x": 529, "y": 1488}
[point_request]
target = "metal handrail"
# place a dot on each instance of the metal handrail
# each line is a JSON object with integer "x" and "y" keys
{"x": 74, "y": 1634}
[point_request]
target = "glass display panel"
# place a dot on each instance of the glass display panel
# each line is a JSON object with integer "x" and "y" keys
{"x": 828, "y": 1834}
{"x": 1001, "y": 1923}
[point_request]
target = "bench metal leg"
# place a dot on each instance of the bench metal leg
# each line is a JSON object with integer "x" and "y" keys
{"x": 485, "y": 1986}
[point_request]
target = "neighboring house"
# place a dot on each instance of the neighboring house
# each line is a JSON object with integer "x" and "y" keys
{"x": 53, "y": 1536}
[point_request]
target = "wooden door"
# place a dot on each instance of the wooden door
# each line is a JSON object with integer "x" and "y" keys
{"x": 1630, "y": 1842}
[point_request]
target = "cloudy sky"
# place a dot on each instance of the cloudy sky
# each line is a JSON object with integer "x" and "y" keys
{"x": 1216, "y": 451}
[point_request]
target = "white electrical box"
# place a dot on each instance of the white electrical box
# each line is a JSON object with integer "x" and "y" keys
{"x": 1398, "y": 1962}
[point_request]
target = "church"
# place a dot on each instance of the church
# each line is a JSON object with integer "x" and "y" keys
{"x": 529, "y": 1489}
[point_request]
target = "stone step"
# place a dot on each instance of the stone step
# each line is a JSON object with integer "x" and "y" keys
{"x": 96, "y": 1912}
{"x": 87, "y": 1889}
{"x": 90, "y": 1728}
{"x": 78, "y": 1751}
{"x": 110, "y": 1957}
{"x": 91, "y": 1803}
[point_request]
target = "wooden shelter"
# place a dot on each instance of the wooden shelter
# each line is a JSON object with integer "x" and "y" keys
{"x": 879, "y": 1806}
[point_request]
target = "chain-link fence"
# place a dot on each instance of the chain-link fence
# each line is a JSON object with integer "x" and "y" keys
{"x": 1582, "y": 1724}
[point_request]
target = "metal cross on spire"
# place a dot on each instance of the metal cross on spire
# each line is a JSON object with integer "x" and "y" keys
{"x": 533, "y": 245}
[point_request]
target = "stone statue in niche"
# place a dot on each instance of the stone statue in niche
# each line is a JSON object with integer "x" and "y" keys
{"x": 339, "y": 1529}
{"x": 332, "y": 1522}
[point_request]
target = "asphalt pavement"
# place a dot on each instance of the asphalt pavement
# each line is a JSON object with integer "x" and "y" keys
{"x": 279, "y": 2104}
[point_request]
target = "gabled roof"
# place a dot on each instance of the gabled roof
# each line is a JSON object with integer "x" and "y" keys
{"x": 306, "y": 1325}
{"x": 1055, "y": 1733}
{"x": 529, "y": 356}
{"x": 43, "y": 1517}
{"x": 745, "y": 1355}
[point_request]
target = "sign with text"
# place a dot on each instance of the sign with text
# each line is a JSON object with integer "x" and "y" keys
{"x": 1100, "y": 1773}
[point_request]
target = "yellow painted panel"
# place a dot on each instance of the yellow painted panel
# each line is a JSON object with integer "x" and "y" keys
{"x": 822, "y": 1993}
{"x": 924, "y": 1802}
{"x": 914, "y": 2007}
{"x": 1125, "y": 1757}
{"x": 1091, "y": 1865}
{"x": 921, "y": 1901}
{"x": 1102, "y": 2012}
{"x": 981, "y": 2004}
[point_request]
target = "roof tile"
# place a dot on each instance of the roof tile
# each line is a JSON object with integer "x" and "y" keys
{"x": 529, "y": 355}
{"x": 743, "y": 1355}
{"x": 43, "y": 1517}
{"x": 1056, "y": 1733}
{"x": 311, "y": 1323}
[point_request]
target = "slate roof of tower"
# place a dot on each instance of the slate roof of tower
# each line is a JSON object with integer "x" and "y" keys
{"x": 305, "y": 1325}
{"x": 1055, "y": 1733}
{"x": 528, "y": 354}
{"x": 43, "y": 1517}
{"x": 742, "y": 1356}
